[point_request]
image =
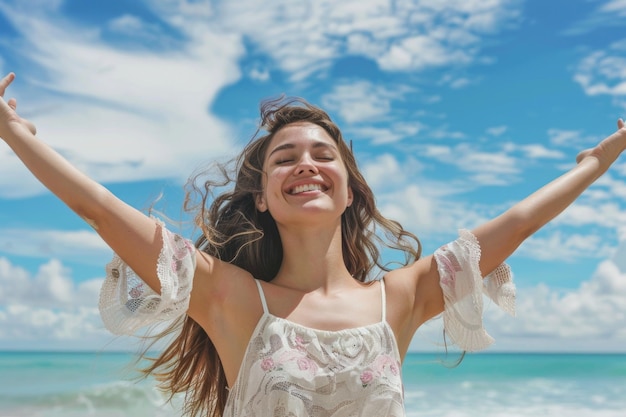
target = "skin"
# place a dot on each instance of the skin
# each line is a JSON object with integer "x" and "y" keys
{"x": 313, "y": 287}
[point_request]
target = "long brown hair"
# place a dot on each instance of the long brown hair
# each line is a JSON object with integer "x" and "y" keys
{"x": 234, "y": 230}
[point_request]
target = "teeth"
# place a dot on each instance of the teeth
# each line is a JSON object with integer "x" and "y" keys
{"x": 306, "y": 187}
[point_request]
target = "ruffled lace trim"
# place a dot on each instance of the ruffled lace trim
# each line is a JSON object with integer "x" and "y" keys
{"x": 127, "y": 303}
{"x": 463, "y": 288}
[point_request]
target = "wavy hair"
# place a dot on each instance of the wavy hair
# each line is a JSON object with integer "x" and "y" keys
{"x": 233, "y": 230}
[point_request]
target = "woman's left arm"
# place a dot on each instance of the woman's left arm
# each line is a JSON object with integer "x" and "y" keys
{"x": 502, "y": 235}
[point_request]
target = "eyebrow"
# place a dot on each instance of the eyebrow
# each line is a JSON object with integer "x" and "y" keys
{"x": 318, "y": 144}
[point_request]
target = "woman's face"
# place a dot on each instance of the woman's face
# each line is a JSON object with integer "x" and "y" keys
{"x": 305, "y": 176}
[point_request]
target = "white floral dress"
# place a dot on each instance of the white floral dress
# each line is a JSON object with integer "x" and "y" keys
{"x": 292, "y": 370}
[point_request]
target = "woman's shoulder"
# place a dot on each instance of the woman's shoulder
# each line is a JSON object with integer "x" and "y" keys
{"x": 414, "y": 291}
{"x": 408, "y": 277}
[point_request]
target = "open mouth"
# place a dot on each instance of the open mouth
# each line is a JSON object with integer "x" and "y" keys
{"x": 298, "y": 189}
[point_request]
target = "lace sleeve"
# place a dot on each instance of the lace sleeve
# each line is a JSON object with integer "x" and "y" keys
{"x": 463, "y": 288}
{"x": 127, "y": 303}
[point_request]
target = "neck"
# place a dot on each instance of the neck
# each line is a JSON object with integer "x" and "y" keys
{"x": 313, "y": 259}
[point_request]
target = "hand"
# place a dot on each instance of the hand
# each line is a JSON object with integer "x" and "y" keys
{"x": 9, "y": 119}
{"x": 609, "y": 149}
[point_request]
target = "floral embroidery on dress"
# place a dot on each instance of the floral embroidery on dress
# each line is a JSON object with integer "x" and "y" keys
{"x": 384, "y": 366}
{"x": 127, "y": 303}
{"x": 267, "y": 364}
{"x": 366, "y": 377}
{"x": 450, "y": 264}
{"x": 463, "y": 288}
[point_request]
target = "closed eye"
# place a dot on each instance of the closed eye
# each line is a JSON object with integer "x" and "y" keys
{"x": 325, "y": 157}
{"x": 283, "y": 161}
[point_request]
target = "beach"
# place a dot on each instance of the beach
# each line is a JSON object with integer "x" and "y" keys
{"x": 99, "y": 384}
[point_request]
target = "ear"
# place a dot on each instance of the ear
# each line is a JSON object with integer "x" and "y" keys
{"x": 260, "y": 202}
{"x": 350, "y": 197}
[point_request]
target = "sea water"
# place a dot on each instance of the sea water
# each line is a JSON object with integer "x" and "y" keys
{"x": 37, "y": 384}
{"x": 516, "y": 385}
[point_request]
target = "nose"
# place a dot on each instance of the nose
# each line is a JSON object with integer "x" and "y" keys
{"x": 306, "y": 164}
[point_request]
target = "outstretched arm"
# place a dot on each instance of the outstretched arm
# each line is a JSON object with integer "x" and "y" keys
{"x": 501, "y": 236}
{"x": 131, "y": 234}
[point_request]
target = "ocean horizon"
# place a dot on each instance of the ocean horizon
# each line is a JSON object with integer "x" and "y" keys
{"x": 488, "y": 384}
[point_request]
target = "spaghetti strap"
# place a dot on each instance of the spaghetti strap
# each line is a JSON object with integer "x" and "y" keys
{"x": 262, "y": 296}
{"x": 384, "y": 299}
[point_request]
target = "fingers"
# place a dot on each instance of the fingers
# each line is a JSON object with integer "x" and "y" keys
{"x": 620, "y": 123}
{"x": 4, "y": 83}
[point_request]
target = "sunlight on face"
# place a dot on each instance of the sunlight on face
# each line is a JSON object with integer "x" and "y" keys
{"x": 304, "y": 170}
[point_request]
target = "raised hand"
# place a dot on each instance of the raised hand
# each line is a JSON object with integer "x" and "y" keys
{"x": 9, "y": 119}
{"x": 609, "y": 149}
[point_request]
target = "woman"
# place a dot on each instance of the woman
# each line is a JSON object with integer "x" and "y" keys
{"x": 274, "y": 311}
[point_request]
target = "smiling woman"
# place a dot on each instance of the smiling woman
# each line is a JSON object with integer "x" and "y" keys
{"x": 276, "y": 309}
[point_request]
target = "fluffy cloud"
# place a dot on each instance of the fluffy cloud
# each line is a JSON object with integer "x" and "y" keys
{"x": 595, "y": 311}
{"x": 559, "y": 246}
{"x": 48, "y": 306}
{"x": 588, "y": 318}
{"x": 606, "y": 15}
{"x": 603, "y": 72}
{"x": 50, "y": 310}
{"x": 497, "y": 130}
{"x": 361, "y": 100}
{"x": 307, "y": 37}
{"x": 79, "y": 246}
{"x": 122, "y": 114}
{"x": 485, "y": 168}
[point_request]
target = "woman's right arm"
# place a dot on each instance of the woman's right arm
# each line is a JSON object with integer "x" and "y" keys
{"x": 135, "y": 237}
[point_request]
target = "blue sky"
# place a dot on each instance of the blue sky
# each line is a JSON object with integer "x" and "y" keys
{"x": 456, "y": 110}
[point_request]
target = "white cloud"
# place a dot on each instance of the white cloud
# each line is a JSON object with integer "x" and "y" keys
{"x": 306, "y": 37}
{"x": 588, "y": 318}
{"x": 620, "y": 168}
{"x": 615, "y": 6}
{"x": 47, "y": 306}
{"x": 128, "y": 24}
{"x": 571, "y": 138}
{"x": 564, "y": 137}
{"x": 603, "y": 72}
{"x": 536, "y": 151}
{"x": 49, "y": 310}
{"x": 391, "y": 133}
{"x": 384, "y": 171}
{"x": 414, "y": 208}
{"x": 605, "y": 16}
{"x": 361, "y": 100}
{"x": 51, "y": 287}
{"x": 123, "y": 115}
{"x": 83, "y": 246}
{"x": 558, "y": 246}
{"x": 442, "y": 132}
{"x": 460, "y": 83}
{"x": 487, "y": 168}
{"x": 144, "y": 114}
{"x": 259, "y": 74}
{"x": 423, "y": 207}
{"x": 597, "y": 309}
{"x": 497, "y": 130}
{"x": 615, "y": 187}
{"x": 605, "y": 214}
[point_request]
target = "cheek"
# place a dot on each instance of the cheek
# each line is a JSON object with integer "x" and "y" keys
{"x": 272, "y": 186}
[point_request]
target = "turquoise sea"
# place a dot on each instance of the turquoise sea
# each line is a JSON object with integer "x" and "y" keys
{"x": 36, "y": 384}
